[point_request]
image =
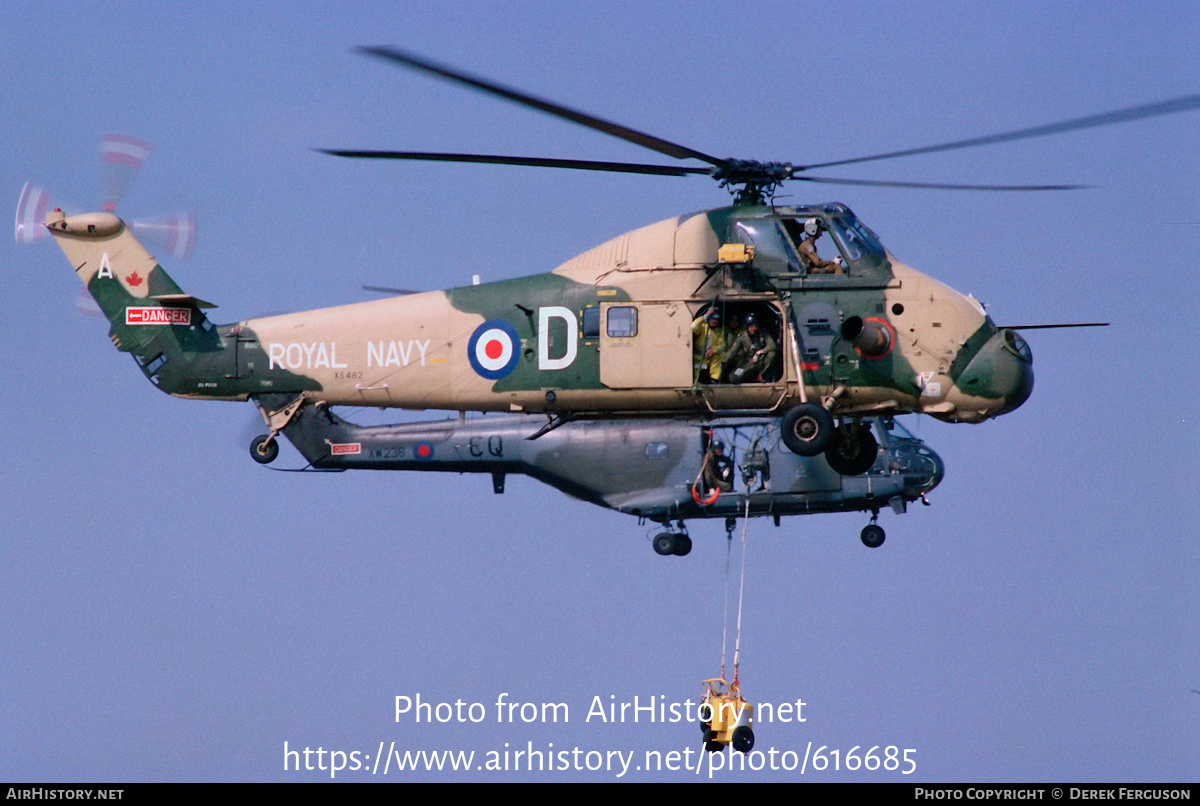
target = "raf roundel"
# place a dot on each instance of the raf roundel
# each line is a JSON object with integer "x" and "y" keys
{"x": 493, "y": 349}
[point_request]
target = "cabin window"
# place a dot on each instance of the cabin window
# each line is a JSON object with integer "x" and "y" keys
{"x": 591, "y": 324}
{"x": 658, "y": 450}
{"x": 622, "y": 322}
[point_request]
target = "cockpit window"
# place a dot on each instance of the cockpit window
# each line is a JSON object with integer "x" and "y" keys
{"x": 861, "y": 248}
{"x": 844, "y": 247}
{"x": 1017, "y": 346}
{"x": 773, "y": 253}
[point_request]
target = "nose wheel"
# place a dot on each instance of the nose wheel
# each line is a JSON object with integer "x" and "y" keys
{"x": 873, "y": 534}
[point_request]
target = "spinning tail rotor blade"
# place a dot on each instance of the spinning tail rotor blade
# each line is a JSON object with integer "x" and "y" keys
{"x": 176, "y": 233}
{"x": 122, "y": 156}
{"x": 85, "y": 306}
{"x": 31, "y": 212}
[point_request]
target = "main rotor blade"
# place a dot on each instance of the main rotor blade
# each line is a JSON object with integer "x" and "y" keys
{"x": 387, "y": 289}
{"x": 828, "y": 180}
{"x": 536, "y": 162}
{"x": 1173, "y": 106}
{"x": 1049, "y": 327}
{"x": 616, "y": 130}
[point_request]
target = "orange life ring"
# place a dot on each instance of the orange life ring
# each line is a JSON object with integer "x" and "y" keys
{"x": 704, "y": 501}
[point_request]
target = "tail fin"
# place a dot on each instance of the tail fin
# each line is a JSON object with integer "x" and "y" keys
{"x": 164, "y": 329}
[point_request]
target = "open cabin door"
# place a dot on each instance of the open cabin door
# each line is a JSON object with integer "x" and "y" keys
{"x": 746, "y": 383}
{"x": 645, "y": 345}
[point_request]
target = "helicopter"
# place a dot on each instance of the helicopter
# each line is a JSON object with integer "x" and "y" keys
{"x": 613, "y": 332}
{"x": 651, "y": 469}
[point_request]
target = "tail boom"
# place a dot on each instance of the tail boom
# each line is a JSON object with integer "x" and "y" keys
{"x": 150, "y": 317}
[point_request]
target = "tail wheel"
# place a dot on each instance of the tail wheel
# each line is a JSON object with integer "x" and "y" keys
{"x": 264, "y": 449}
{"x": 807, "y": 429}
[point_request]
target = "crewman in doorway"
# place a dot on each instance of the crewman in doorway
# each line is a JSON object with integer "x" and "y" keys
{"x": 708, "y": 347}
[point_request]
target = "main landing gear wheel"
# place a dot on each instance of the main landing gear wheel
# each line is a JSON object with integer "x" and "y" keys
{"x": 873, "y": 536}
{"x": 807, "y": 429}
{"x": 852, "y": 449}
{"x": 676, "y": 543}
{"x": 264, "y": 449}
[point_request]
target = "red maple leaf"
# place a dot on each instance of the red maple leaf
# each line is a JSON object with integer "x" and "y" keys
{"x": 134, "y": 279}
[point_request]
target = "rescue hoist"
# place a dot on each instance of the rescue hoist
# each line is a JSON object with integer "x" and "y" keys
{"x": 730, "y": 718}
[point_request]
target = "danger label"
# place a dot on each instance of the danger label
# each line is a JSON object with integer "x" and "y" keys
{"x": 344, "y": 448}
{"x": 158, "y": 316}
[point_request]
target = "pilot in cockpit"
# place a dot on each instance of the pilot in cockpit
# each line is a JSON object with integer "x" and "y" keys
{"x": 808, "y": 251}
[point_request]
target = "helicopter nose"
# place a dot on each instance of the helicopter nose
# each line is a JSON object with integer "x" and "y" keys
{"x": 921, "y": 468}
{"x": 1001, "y": 373}
{"x": 1016, "y": 370}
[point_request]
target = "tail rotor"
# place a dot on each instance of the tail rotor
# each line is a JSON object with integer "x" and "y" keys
{"x": 121, "y": 156}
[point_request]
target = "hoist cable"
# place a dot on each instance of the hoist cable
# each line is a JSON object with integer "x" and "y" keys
{"x": 737, "y": 645}
{"x": 725, "y": 614}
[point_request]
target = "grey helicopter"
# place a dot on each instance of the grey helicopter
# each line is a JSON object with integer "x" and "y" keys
{"x": 660, "y": 471}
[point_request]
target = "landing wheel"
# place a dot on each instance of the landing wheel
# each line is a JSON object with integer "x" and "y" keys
{"x": 664, "y": 543}
{"x": 852, "y": 450}
{"x": 264, "y": 449}
{"x": 743, "y": 739}
{"x": 873, "y": 536}
{"x": 714, "y": 747}
{"x": 807, "y": 429}
{"x": 683, "y": 545}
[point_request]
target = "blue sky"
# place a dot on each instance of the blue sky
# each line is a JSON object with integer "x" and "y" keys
{"x": 172, "y": 611}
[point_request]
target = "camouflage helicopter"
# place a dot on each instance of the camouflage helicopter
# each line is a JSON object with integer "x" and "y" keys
{"x": 618, "y": 331}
